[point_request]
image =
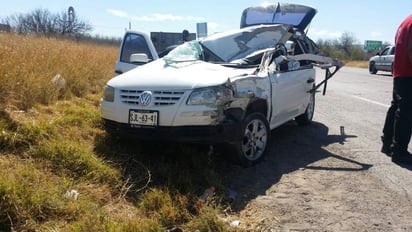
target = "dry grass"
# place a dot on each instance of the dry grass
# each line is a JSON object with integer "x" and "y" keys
{"x": 357, "y": 63}
{"x": 29, "y": 64}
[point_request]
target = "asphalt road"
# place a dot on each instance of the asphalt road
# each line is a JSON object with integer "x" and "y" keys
{"x": 357, "y": 102}
{"x": 330, "y": 175}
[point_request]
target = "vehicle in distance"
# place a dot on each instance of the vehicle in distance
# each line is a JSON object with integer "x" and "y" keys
{"x": 383, "y": 61}
{"x": 230, "y": 88}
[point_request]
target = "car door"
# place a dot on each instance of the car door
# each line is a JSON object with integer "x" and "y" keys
{"x": 289, "y": 93}
{"x": 382, "y": 60}
{"x": 388, "y": 59}
{"x": 134, "y": 43}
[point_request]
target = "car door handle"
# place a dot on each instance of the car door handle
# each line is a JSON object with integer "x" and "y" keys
{"x": 118, "y": 72}
{"x": 310, "y": 80}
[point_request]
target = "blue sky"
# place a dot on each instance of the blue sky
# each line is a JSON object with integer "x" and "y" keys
{"x": 364, "y": 19}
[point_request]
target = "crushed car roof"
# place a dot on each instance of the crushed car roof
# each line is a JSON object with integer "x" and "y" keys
{"x": 239, "y": 43}
{"x": 297, "y": 15}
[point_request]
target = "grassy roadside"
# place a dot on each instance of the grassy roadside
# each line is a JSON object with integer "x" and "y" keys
{"x": 357, "y": 64}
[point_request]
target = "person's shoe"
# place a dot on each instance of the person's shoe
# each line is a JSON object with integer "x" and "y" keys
{"x": 386, "y": 149}
{"x": 402, "y": 158}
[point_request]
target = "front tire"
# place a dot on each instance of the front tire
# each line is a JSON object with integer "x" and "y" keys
{"x": 307, "y": 116}
{"x": 252, "y": 148}
{"x": 372, "y": 68}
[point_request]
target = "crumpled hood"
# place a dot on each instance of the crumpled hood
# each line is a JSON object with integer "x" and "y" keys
{"x": 158, "y": 75}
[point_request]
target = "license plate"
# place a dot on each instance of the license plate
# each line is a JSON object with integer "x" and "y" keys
{"x": 143, "y": 118}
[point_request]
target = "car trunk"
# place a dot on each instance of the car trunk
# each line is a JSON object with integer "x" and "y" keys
{"x": 282, "y": 13}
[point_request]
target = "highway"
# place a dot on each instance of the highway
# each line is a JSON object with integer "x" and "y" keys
{"x": 358, "y": 101}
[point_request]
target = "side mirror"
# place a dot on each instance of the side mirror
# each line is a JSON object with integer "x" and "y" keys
{"x": 139, "y": 58}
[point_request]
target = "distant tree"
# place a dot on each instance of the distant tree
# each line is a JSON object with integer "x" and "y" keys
{"x": 74, "y": 26}
{"x": 385, "y": 44}
{"x": 345, "y": 47}
{"x": 42, "y": 21}
{"x": 347, "y": 40}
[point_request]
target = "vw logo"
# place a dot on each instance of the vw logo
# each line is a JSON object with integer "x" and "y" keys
{"x": 145, "y": 98}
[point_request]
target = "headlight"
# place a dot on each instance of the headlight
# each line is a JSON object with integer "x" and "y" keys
{"x": 108, "y": 94}
{"x": 213, "y": 96}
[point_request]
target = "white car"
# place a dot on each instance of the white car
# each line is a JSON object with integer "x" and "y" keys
{"x": 230, "y": 88}
{"x": 383, "y": 61}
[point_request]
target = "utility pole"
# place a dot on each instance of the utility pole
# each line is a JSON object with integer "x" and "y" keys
{"x": 71, "y": 17}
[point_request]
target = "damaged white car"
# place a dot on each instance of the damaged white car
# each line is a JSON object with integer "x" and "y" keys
{"x": 230, "y": 88}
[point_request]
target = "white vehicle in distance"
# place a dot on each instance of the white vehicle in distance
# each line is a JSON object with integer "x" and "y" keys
{"x": 230, "y": 88}
{"x": 383, "y": 61}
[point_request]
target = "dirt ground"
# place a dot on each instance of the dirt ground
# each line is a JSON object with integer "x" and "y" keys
{"x": 310, "y": 181}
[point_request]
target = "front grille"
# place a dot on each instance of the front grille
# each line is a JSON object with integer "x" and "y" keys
{"x": 159, "y": 98}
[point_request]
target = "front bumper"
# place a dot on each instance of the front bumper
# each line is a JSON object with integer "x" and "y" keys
{"x": 225, "y": 132}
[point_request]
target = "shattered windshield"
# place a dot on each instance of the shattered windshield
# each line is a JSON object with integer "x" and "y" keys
{"x": 229, "y": 46}
{"x": 189, "y": 51}
{"x": 238, "y": 44}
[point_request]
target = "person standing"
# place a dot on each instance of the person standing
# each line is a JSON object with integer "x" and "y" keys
{"x": 398, "y": 123}
{"x": 185, "y": 35}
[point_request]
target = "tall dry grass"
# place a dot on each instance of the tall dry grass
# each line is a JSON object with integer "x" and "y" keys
{"x": 28, "y": 65}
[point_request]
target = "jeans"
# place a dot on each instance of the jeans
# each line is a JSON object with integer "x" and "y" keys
{"x": 398, "y": 123}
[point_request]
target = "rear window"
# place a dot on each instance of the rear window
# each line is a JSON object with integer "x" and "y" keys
{"x": 262, "y": 16}
{"x": 299, "y": 16}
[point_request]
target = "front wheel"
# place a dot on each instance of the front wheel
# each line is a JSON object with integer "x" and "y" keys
{"x": 307, "y": 116}
{"x": 372, "y": 68}
{"x": 256, "y": 137}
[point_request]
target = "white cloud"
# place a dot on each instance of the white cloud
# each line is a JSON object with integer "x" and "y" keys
{"x": 323, "y": 34}
{"x": 375, "y": 34}
{"x": 212, "y": 25}
{"x": 118, "y": 13}
{"x": 156, "y": 17}
{"x": 266, "y": 3}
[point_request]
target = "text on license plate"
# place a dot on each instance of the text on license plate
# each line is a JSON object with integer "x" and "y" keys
{"x": 144, "y": 118}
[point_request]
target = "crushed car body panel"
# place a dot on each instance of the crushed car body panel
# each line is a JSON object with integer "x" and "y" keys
{"x": 232, "y": 45}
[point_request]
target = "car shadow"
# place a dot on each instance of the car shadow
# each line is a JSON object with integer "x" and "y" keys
{"x": 384, "y": 74}
{"x": 406, "y": 166}
{"x": 292, "y": 148}
{"x": 189, "y": 168}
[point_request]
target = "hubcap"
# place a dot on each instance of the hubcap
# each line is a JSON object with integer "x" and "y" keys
{"x": 254, "y": 140}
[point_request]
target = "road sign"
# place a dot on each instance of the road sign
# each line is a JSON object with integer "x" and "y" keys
{"x": 201, "y": 30}
{"x": 372, "y": 45}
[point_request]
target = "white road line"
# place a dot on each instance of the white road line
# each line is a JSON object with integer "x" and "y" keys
{"x": 371, "y": 101}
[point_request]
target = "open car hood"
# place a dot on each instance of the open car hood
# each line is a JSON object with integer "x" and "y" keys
{"x": 282, "y": 13}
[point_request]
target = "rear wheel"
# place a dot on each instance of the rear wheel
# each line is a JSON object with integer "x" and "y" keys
{"x": 372, "y": 68}
{"x": 306, "y": 118}
{"x": 253, "y": 146}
